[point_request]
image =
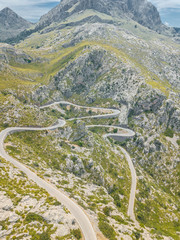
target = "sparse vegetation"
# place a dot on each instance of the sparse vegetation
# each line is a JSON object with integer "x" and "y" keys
{"x": 129, "y": 68}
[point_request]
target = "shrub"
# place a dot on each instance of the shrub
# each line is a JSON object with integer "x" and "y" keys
{"x": 141, "y": 217}
{"x": 80, "y": 144}
{"x": 176, "y": 224}
{"x": 107, "y": 210}
{"x": 5, "y": 125}
{"x": 36, "y": 164}
{"x": 76, "y": 233}
{"x": 115, "y": 130}
{"x": 169, "y": 133}
{"x": 102, "y": 217}
{"x": 107, "y": 230}
{"x": 57, "y": 203}
{"x": 74, "y": 158}
{"x": 137, "y": 235}
{"x": 119, "y": 219}
{"x": 55, "y": 164}
{"x": 3, "y": 225}
{"x": 33, "y": 217}
{"x": 44, "y": 236}
{"x": 117, "y": 200}
{"x": 64, "y": 156}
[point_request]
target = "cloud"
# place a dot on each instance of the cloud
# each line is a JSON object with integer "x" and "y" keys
{"x": 31, "y": 10}
{"x": 167, "y": 24}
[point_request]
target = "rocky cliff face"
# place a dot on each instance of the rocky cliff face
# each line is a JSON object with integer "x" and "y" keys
{"x": 11, "y": 24}
{"x": 144, "y": 13}
{"x": 139, "y": 10}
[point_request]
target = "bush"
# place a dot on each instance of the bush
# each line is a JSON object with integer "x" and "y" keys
{"x": 64, "y": 156}
{"x": 55, "y": 164}
{"x": 119, "y": 219}
{"x": 44, "y": 236}
{"x": 107, "y": 230}
{"x": 102, "y": 217}
{"x": 117, "y": 200}
{"x": 137, "y": 235}
{"x": 5, "y": 125}
{"x": 169, "y": 133}
{"x": 76, "y": 233}
{"x": 107, "y": 210}
{"x": 80, "y": 144}
{"x": 3, "y": 225}
{"x": 33, "y": 217}
{"x": 141, "y": 217}
{"x": 57, "y": 203}
{"x": 36, "y": 164}
{"x": 115, "y": 130}
{"x": 74, "y": 158}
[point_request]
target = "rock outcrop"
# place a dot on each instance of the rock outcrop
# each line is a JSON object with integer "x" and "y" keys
{"x": 9, "y": 54}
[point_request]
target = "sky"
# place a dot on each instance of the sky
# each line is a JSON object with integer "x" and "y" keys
{"x": 32, "y": 10}
{"x": 169, "y": 11}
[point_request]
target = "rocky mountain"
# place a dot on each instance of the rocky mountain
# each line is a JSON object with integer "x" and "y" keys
{"x": 103, "y": 54}
{"x": 141, "y": 11}
{"x": 11, "y": 24}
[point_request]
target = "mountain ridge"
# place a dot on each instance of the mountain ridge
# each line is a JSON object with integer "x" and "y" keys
{"x": 141, "y": 11}
{"x": 67, "y": 12}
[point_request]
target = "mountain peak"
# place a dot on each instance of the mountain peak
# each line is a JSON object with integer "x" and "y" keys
{"x": 6, "y": 9}
{"x": 141, "y": 11}
{"x": 11, "y": 23}
{"x": 8, "y": 16}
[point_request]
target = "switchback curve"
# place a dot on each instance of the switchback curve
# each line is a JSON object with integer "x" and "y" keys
{"x": 77, "y": 212}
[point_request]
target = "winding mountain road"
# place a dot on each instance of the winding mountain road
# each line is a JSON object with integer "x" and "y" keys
{"x": 77, "y": 212}
{"x": 127, "y": 133}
